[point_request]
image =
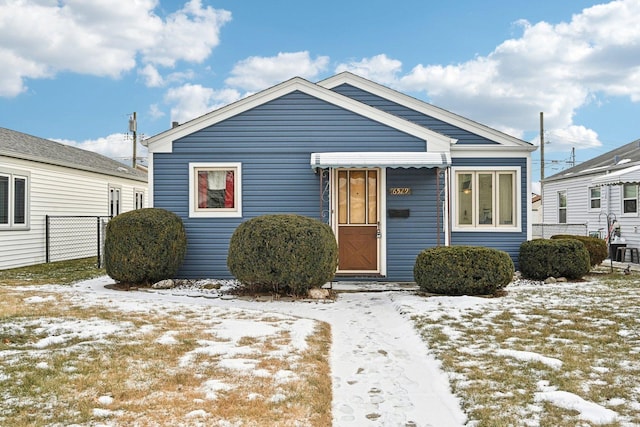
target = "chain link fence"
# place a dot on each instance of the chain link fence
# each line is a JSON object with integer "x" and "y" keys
{"x": 74, "y": 237}
{"x": 545, "y": 231}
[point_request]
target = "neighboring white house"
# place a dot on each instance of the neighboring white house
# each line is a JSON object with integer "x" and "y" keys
{"x": 600, "y": 194}
{"x": 536, "y": 209}
{"x": 39, "y": 177}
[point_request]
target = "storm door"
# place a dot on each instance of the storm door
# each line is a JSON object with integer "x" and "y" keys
{"x": 358, "y": 220}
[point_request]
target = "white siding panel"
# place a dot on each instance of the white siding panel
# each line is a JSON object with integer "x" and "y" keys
{"x": 56, "y": 190}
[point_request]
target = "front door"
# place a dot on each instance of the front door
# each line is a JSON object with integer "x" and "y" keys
{"x": 358, "y": 220}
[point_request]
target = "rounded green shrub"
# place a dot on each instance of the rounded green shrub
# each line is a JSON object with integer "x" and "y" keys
{"x": 463, "y": 270}
{"x": 283, "y": 253}
{"x": 144, "y": 246}
{"x": 596, "y": 247}
{"x": 543, "y": 258}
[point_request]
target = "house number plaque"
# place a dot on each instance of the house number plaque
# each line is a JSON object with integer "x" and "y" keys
{"x": 399, "y": 191}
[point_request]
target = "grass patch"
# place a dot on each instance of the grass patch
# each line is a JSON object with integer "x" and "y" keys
{"x": 68, "y": 360}
{"x": 580, "y": 338}
{"x": 60, "y": 272}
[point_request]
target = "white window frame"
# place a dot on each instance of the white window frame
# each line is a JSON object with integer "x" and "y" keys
{"x": 623, "y": 199}
{"x": 566, "y": 202}
{"x": 11, "y": 176}
{"x": 117, "y": 209}
{"x": 592, "y": 199}
{"x": 195, "y": 211}
{"x": 138, "y": 198}
{"x": 495, "y": 227}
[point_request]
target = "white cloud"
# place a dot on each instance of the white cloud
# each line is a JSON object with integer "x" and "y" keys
{"x": 100, "y": 37}
{"x": 379, "y": 68}
{"x": 190, "y": 101}
{"x": 556, "y": 69}
{"x": 189, "y": 34}
{"x": 151, "y": 76}
{"x": 258, "y": 72}
{"x": 562, "y": 139}
{"x": 155, "y": 112}
{"x": 116, "y": 146}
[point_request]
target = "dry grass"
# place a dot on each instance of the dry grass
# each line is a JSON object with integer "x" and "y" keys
{"x": 592, "y": 328}
{"x": 127, "y": 377}
{"x": 61, "y": 272}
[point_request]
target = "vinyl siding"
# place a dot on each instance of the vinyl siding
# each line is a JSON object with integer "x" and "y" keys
{"x": 406, "y": 237}
{"x": 579, "y": 212}
{"x": 463, "y": 136}
{"x": 56, "y": 190}
{"x": 274, "y": 143}
{"x": 506, "y": 241}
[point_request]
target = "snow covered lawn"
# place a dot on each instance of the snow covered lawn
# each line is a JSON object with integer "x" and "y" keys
{"x": 561, "y": 355}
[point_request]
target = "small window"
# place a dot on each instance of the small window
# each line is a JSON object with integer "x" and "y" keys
{"x": 14, "y": 200}
{"x": 215, "y": 190}
{"x": 139, "y": 199}
{"x": 114, "y": 201}
{"x": 594, "y": 198}
{"x": 629, "y": 198}
{"x": 562, "y": 207}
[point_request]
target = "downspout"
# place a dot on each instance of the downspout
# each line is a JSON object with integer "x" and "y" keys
{"x": 448, "y": 203}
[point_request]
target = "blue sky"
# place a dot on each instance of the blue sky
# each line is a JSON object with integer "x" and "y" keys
{"x": 75, "y": 70}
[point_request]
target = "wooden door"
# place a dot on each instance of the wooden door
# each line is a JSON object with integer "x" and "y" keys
{"x": 358, "y": 220}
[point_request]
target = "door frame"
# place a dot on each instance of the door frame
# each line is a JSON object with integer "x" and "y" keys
{"x": 382, "y": 209}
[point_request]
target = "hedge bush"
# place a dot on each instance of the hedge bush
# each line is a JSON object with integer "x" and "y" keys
{"x": 283, "y": 253}
{"x": 463, "y": 270}
{"x": 543, "y": 258}
{"x": 144, "y": 246}
{"x": 596, "y": 247}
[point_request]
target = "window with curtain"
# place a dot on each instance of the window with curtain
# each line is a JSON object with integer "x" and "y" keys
{"x": 215, "y": 189}
{"x": 486, "y": 199}
{"x": 14, "y": 200}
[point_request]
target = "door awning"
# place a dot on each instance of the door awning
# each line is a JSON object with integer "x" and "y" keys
{"x": 365, "y": 159}
{"x": 630, "y": 175}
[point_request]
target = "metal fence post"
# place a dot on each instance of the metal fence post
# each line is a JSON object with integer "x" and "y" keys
{"x": 46, "y": 239}
{"x": 98, "y": 239}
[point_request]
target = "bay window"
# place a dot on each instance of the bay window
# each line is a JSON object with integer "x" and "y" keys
{"x": 215, "y": 190}
{"x": 14, "y": 200}
{"x": 486, "y": 199}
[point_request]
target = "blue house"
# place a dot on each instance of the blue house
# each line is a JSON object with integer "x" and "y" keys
{"x": 391, "y": 174}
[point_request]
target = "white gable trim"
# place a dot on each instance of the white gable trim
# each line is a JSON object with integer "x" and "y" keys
{"x": 163, "y": 142}
{"x": 424, "y": 108}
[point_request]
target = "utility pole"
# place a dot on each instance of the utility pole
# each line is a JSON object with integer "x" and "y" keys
{"x": 573, "y": 156}
{"x": 541, "y": 147}
{"x": 133, "y": 127}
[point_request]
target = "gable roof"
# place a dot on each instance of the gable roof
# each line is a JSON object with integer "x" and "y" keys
{"x": 616, "y": 159}
{"x": 428, "y": 109}
{"x": 27, "y": 147}
{"x": 163, "y": 141}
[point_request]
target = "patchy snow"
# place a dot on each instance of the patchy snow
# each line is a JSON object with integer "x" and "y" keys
{"x": 589, "y": 411}
{"x": 382, "y": 372}
{"x": 528, "y": 356}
